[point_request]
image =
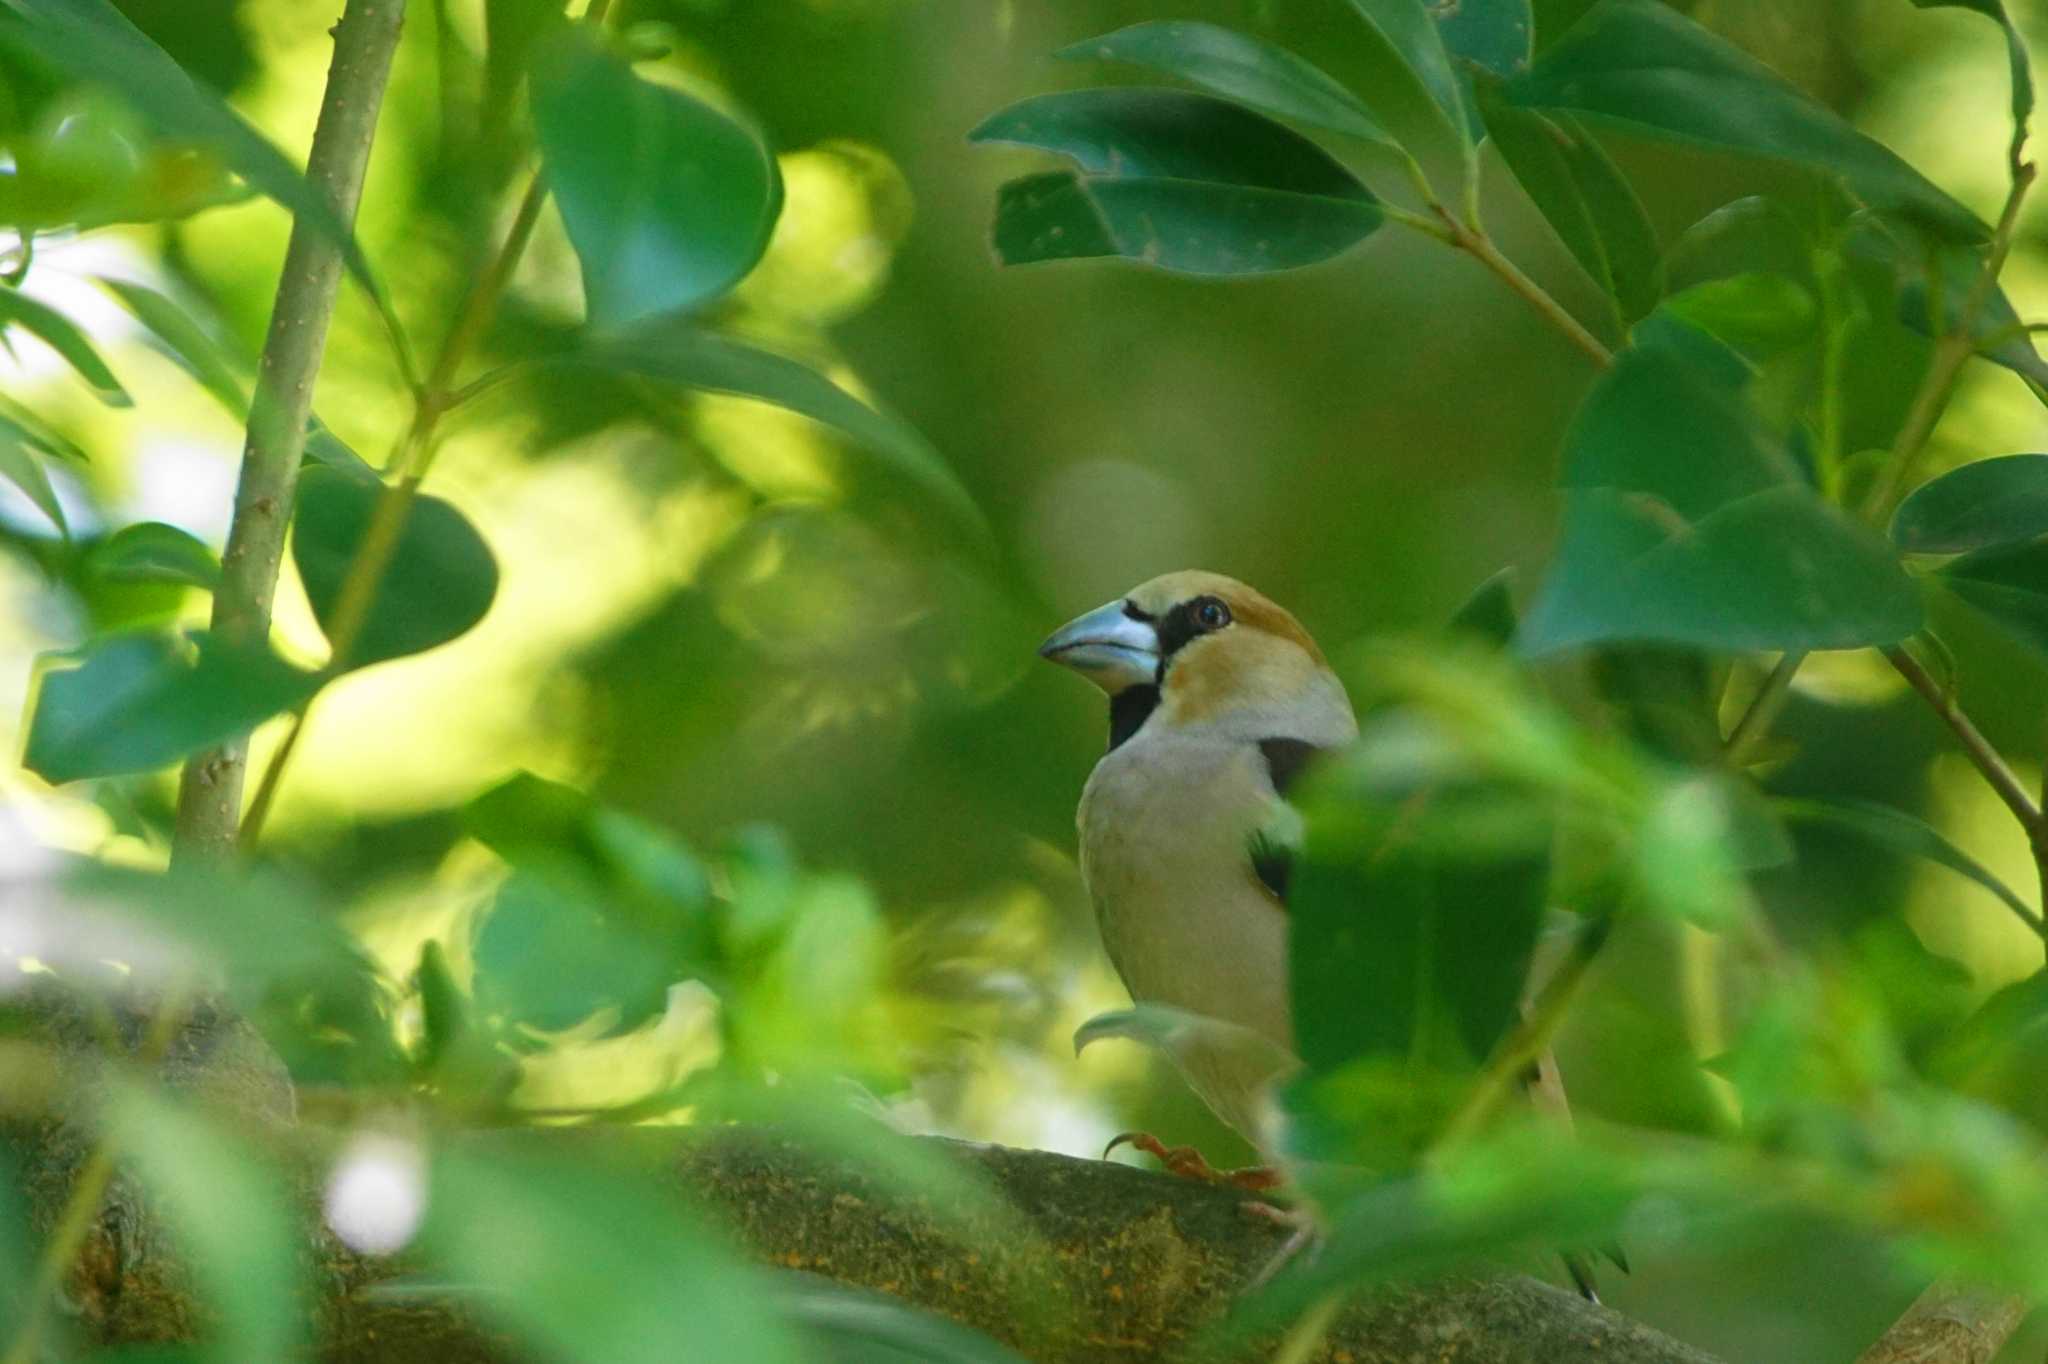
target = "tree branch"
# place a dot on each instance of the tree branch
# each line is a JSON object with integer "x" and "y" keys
{"x": 1949, "y": 1324}
{"x": 210, "y": 792}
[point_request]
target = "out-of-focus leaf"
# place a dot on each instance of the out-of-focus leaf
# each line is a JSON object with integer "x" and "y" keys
{"x": 1643, "y": 63}
{"x": 577, "y": 1261}
{"x": 91, "y": 41}
{"x": 1998, "y": 1052}
{"x": 1903, "y": 833}
{"x": 1174, "y": 180}
{"x": 132, "y": 703}
{"x": 1239, "y": 67}
{"x": 21, "y": 466}
{"x": 2008, "y": 583}
{"x": 440, "y": 582}
{"x": 232, "y": 1215}
{"x": 862, "y": 1327}
{"x": 703, "y": 360}
{"x": 511, "y": 30}
{"x": 1411, "y": 33}
{"x": 62, "y": 335}
{"x": 2022, "y": 75}
{"x": 667, "y": 201}
{"x": 1758, "y": 315}
{"x": 323, "y": 447}
{"x": 1585, "y": 198}
{"x": 1489, "y": 612}
{"x": 184, "y": 341}
{"x": 1494, "y": 35}
{"x": 152, "y": 552}
{"x": 1686, "y": 522}
{"x": 1981, "y": 505}
{"x": 1934, "y": 292}
{"x": 17, "y": 1255}
{"x": 1740, "y": 237}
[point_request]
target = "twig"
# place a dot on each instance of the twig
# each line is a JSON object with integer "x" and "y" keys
{"x": 1478, "y": 245}
{"x": 210, "y": 791}
{"x": 1975, "y": 746}
{"x": 1763, "y": 710}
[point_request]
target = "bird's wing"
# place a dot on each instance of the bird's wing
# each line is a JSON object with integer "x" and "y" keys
{"x": 1273, "y": 844}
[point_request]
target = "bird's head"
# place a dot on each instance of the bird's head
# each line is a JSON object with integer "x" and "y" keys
{"x": 1201, "y": 649}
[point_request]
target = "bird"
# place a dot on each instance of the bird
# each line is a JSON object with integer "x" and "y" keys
{"x": 1218, "y": 701}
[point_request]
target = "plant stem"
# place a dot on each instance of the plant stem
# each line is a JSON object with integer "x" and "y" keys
{"x": 1975, "y": 746}
{"x": 1763, "y": 710}
{"x": 1480, "y": 247}
{"x": 210, "y": 791}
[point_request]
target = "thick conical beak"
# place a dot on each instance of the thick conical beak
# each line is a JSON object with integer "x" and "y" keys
{"x": 1107, "y": 646}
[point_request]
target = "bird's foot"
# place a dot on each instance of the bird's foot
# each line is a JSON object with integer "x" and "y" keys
{"x": 1188, "y": 1163}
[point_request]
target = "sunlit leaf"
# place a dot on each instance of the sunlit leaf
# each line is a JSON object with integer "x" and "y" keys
{"x": 1643, "y": 63}
{"x": 62, "y": 335}
{"x": 1174, "y": 180}
{"x": 441, "y": 578}
{"x": 667, "y": 201}
{"x": 1685, "y": 521}
{"x": 152, "y": 552}
{"x": 133, "y": 703}
{"x": 1981, "y": 505}
{"x": 2021, "y": 75}
{"x": 1902, "y": 833}
{"x": 22, "y": 465}
{"x": 580, "y": 1262}
{"x": 691, "y": 358}
{"x": 231, "y": 1213}
{"x": 2008, "y": 583}
{"x": 1239, "y": 67}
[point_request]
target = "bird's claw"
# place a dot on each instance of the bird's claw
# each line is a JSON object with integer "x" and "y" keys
{"x": 1188, "y": 1163}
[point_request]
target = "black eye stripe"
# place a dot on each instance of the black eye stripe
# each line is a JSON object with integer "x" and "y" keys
{"x": 1185, "y": 621}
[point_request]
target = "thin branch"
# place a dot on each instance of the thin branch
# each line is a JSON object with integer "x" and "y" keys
{"x": 1975, "y": 746}
{"x": 1480, "y": 247}
{"x": 1949, "y": 1324}
{"x": 210, "y": 791}
{"x": 1763, "y": 710}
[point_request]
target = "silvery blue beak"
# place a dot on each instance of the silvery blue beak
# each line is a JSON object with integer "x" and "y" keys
{"x": 1107, "y": 646}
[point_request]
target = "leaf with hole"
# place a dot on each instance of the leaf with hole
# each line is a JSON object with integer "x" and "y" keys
{"x": 1643, "y": 64}
{"x": 1981, "y": 505}
{"x": 1246, "y": 70}
{"x": 62, "y": 335}
{"x": 152, "y": 552}
{"x": 134, "y": 703}
{"x": 668, "y": 201}
{"x": 439, "y": 583}
{"x": 1686, "y": 521}
{"x": 1173, "y": 180}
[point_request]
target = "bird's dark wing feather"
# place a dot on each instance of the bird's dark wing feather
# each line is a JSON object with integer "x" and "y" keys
{"x": 1272, "y": 860}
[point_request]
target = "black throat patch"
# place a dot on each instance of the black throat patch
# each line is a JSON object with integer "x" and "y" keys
{"x": 1129, "y": 709}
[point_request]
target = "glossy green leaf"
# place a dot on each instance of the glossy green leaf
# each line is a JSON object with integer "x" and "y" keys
{"x": 1981, "y": 505}
{"x": 2020, "y": 71}
{"x": 1757, "y": 315}
{"x": 2009, "y": 584}
{"x": 1174, "y": 180}
{"x": 185, "y": 341}
{"x": 21, "y": 464}
{"x": 685, "y": 356}
{"x": 668, "y": 202}
{"x": 1411, "y": 33}
{"x": 1494, "y": 35}
{"x": 1643, "y": 63}
{"x": 62, "y": 335}
{"x": 1687, "y": 522}
{"x": 578, "y": 1261}
{"x": 233, "y": 1216}
{"x": 152, "y": 552}
{"x": 1247, "y": 70}
{"x": 1903, "y": 833}
{"x": 134, "y": 703}
{"x": 93, "y": 42}
{"x": 1586, "y": 200}
{"x": 441, "y": 578}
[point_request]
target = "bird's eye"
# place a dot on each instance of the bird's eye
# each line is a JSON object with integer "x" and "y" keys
{"x": 1211, "y": 614}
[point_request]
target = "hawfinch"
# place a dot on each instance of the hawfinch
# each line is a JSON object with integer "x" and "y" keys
{"x": 1217, "y": 699}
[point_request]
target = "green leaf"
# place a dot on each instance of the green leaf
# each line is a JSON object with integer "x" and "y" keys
{"x": 1687, "y": 522}
{"x": 1757, "y": 315}
{"x": 579, "y": 1261}
{"x": 1494, "y": 35}
{"x": 440, "y": 581}
{"x": 1241, "y": 68}
{"x": 1902, "y": 833}
{"x": 232, "y": 1215}
{"x": 668, "y": 202}
{"x": 134, "y": 703}
{"x": 1586, "y": 200}
{"x": 863, "y": 1327}
{"x": 1173, "y": 180}
{"x": 1412, "y": 35}
{"x": 187, "y": 343}
{"x": 2008, "y": 583}
{"x": 21, "y": 466}
{"x": 62, "y": 335}
{"x": 1952, "y": 273}
{"x": 675, "y": 354}
{"x": 1981, "y": 505}
{"x": 152, "y": 552}
{"x": 2021, "y": 76}
{"x": 1489, "y": 612}
{"x": 1743, "y": 236}
{"x": 1644, "y": 64}
{"x": 93, "y": 42}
